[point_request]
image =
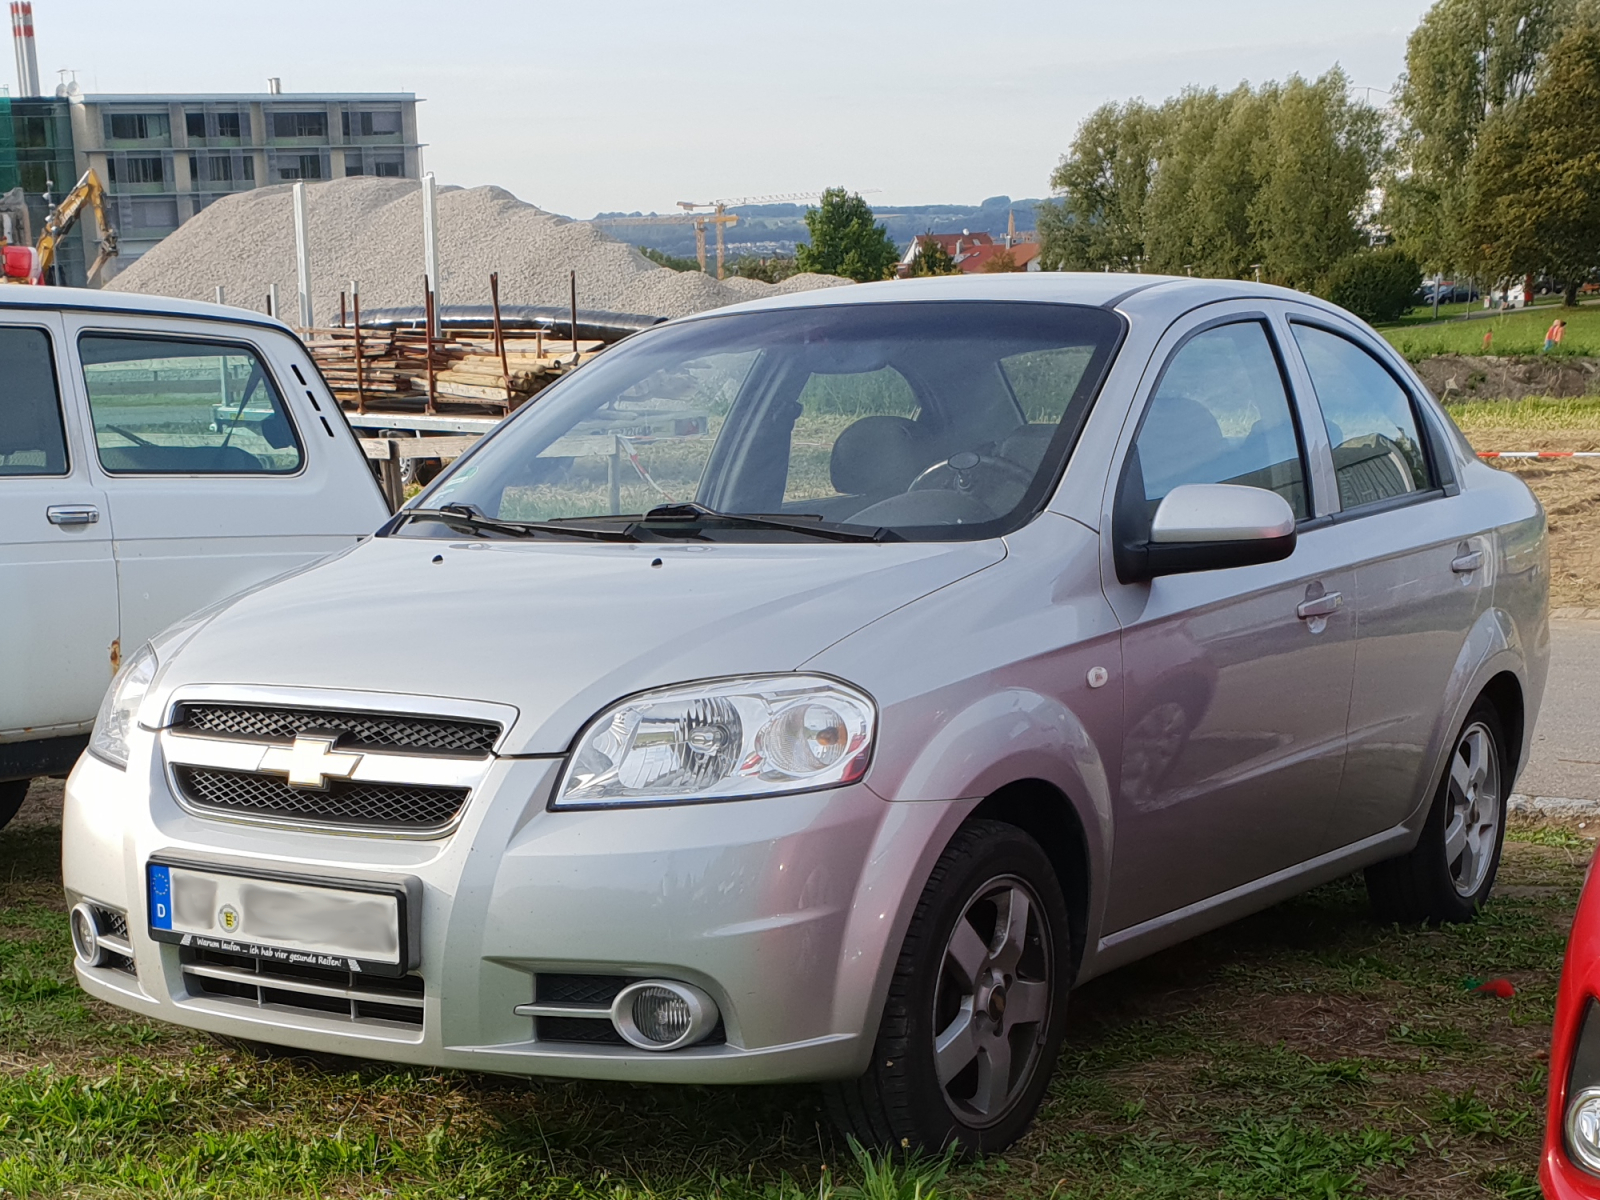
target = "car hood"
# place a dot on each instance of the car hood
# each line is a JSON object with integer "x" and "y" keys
{"x": 557, "y": 629}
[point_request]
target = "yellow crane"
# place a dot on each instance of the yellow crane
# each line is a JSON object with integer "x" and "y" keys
{"x": 86, "y": 193}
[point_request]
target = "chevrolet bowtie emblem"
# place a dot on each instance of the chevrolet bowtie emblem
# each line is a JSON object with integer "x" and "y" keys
{"x": 310, "y": 762}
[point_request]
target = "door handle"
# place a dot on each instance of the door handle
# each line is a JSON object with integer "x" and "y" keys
{"x": 72, "y": 514}
{"x": 1323, "y": 606}
{"x": 1466, "y": 564}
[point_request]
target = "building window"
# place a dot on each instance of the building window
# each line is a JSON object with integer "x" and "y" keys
{"x": 137, "y": 127}
{"x": 300, "y": 125}
{"x": 300, "y": 166}
{"x": 228, "y": 124}
{"x": 194, "y": 124}
{"x": 152, "y": 214}
{"x": 388, "y": 168}
{"x": 136, "y": 170}
{"x": 248, "y": 174}
{"x": 32, "y": 133}
{"x": 384, "y": 122}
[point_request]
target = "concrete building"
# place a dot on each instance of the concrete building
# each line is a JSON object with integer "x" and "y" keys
{"x": 36, "y": 156}
{"x": 163, "y": 158}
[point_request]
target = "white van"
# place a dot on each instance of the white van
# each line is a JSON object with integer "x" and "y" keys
{"x": 156, "y": 456}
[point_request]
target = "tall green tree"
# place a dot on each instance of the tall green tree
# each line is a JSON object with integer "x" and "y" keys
{"x": 1534, "y": 183}
{"x": 1320, "y": 155}
{"x": 1104, "y": 183}
{"x": 845, "y": 240}
{"x": 1466, "y": 61}
{"x": 933, "y": 259}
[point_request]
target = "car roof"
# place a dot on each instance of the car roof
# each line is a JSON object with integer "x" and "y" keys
{"x": 1123, "y": 292}
{"x": 56, "y": 299}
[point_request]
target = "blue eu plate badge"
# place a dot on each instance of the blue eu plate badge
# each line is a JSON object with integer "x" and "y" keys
{"x": 160, "y": 897}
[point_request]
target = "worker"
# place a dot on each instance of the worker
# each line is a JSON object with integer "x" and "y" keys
{"x": 1553, "y": 335}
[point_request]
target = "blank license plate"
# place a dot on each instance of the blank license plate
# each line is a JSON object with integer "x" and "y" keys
{"x": 278, "y": 920}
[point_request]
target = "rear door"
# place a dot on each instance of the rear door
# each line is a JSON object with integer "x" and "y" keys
{"x": 58, "y": 582}
{"x": 220, "y": 458}
{"x": 1422, "y": 569}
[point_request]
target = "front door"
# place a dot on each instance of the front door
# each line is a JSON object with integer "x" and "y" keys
{"x": 58, "y": 583}
{"x": 1236, "y": 682}
{"x": 218, "y": 480}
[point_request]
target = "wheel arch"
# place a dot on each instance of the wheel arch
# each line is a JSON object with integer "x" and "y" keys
{"x": 1042, "y": 811}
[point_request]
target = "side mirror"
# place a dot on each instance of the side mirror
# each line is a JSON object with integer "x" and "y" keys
{"x": 1210, "y": 526}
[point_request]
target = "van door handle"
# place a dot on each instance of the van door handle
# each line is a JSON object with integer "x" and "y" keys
{"x": 72, "y": 514}
{"x": 1323, "y": 606}
{"x": 1466, "y": 564}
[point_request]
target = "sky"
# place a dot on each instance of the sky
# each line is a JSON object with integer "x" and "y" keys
{"x": 632, "y": 105}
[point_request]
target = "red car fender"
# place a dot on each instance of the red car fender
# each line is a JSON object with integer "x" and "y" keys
{"x": 1559, "y": 1176}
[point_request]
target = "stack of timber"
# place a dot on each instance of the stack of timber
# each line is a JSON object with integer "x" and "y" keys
{"x": 457, "y": 370}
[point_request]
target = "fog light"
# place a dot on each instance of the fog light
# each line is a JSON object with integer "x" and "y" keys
{"x": 86, "y": 936}
{"x": 659, "y": 1014}
{"x": 1583, "y": 1128}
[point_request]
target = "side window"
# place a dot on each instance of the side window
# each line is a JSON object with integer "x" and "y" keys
{"x": 32, "y": 439}
{"x": 1221, "y": 415}
{"x": 181, "y": 407}
{"x": 1377, "y": 452}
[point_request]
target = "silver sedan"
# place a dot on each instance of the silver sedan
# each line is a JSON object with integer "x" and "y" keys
{"x": 820, "y": 688}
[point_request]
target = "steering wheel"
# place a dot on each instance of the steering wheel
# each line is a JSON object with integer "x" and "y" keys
{"x": 956, "y": 472}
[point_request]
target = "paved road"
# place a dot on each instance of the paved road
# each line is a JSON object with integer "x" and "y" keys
{"x": 1565, "y": 760}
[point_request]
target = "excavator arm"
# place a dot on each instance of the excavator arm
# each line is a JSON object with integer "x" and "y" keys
{"x": 87, "y": 193}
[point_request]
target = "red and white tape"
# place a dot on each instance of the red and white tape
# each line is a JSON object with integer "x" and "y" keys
{"x": 1539, "y": 453}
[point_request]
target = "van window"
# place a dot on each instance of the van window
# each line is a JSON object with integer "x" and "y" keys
{"x": 171, "y": 406}
{"x": 32, "y": 440}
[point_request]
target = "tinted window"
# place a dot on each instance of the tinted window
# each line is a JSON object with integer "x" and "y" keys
{"x": 32, "y": 440}
{"x": 1377, "y": 453}
{"x": 948, "y": 419}
{"x": 170, "y": 406}
{"x": 1221, "y": 415}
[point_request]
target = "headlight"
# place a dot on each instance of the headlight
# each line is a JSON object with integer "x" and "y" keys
{"x": 729, "y": 739}
{"x": 119, "y": 711}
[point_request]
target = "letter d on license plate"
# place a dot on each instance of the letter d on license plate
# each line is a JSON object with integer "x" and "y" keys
{"x": 343, "y": 925}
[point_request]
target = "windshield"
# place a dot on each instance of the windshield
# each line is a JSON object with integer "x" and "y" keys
{"x": 918, "y": 421}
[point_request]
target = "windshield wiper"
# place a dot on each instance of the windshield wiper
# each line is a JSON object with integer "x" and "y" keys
{"x": 475, "y": 519}
{"x": 692, "y": 513}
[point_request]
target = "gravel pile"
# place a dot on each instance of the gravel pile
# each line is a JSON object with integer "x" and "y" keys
{"x": 371, "y": 230}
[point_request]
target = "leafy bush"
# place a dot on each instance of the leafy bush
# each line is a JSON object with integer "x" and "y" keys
{"x": 1376, "y": 285}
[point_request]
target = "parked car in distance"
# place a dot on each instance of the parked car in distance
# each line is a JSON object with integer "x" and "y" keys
{"x": 1570, "y": 1166}
{"x": 965, "y": 639}
{"x": 155, "y": 456}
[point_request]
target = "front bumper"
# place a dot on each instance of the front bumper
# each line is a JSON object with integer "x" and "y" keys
{"x": 787, "y": 911}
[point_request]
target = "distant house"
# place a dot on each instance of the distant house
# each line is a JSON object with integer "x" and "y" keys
{"x": 973, "y": 251}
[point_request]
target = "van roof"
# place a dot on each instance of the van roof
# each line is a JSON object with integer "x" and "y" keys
{"x": 57, "y": 299}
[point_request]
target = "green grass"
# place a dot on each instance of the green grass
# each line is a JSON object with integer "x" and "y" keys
{"x": 1515, "y": 333}
{"x": 1303, "y": 1052}
{"x": 1541, "y": 414}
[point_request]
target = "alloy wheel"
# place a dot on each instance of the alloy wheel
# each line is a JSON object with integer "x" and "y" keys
{"x": 992, "y": 1002}
{"x": 1472, "y": 813}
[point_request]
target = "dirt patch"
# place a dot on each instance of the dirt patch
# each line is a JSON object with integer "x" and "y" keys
{"x": 1570, "y": 493}
{"x": 1457, "y": 377}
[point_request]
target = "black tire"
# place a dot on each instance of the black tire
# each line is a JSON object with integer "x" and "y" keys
{"x": 901, "y": 1101}
{"x": 12, "y": 793}
{"x": 1437, "y": 882}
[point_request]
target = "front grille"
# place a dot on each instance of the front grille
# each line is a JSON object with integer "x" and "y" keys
{"x": 364, "y": 999}
{"x": 578, "y": 1029}
{"x": 398, "y": 807}
{"x": 356, "y": 730}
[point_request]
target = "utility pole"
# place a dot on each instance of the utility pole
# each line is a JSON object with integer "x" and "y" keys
{"x": 302, "y": 247}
